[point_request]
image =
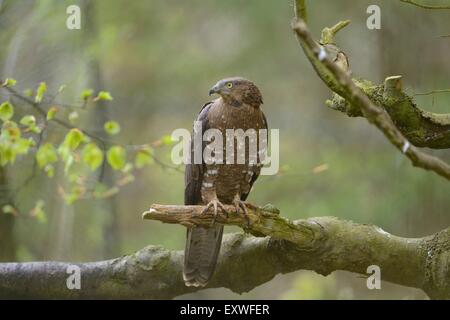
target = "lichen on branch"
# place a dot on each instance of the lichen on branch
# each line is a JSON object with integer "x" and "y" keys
{"x": 323, "y": 244}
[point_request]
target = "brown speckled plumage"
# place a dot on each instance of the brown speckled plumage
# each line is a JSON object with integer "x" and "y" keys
{"x": 237, "y": 108}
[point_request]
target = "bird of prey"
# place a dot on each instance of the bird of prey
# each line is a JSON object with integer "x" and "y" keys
{"x": 216, "y": 184}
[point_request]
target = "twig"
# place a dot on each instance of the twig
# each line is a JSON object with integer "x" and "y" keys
{"x": 326, "y": 244}
{"x": 300, "y": 9}
{"x": 328, "y": 34}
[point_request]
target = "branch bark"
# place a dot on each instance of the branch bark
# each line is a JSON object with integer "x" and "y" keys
{"x": 326, "y": 244}
{"x": 322, "y": 244}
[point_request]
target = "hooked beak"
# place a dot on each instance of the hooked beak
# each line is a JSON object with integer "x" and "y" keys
{"x": 214, "y": 89}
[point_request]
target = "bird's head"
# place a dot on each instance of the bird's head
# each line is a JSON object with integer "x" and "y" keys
{"x": 237, "y": 91}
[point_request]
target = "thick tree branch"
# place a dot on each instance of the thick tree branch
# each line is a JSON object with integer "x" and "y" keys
{"x": 420, "y": 127}
{"x": 322, "y": 244}
{"x": 339, "y": 81}
{"x": 259, "y": 222}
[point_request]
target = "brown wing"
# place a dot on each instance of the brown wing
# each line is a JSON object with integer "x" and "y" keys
{"x": 202, "y": 244}
{"x": 193, "y": 174}
{"x": 256, "y": 174}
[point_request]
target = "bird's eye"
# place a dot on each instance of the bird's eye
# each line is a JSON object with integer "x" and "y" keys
{"x": 229, "y": 85}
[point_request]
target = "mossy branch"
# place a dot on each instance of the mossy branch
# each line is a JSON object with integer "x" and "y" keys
{"x": 420, "y": 127}
{"x": 322, "y": 244}
{"x": 336, "y": 76}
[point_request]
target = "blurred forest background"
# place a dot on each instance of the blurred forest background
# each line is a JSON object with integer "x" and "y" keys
{"x": 159, "y": 58}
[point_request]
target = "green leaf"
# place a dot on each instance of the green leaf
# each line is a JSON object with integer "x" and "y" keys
{"x": 22, "y": 146}
{"x": 40, "y": 92}
{"x": 28, "y": 120}
{"x": 73, "y": 117}
{"x": 144, "y": 157}
{"x": 73, "y": 139}
{"x": 51, "y": 113}
{"x": 9, "y": 82}
{"x": 71, "y": 198}
{"x": 38, "y": 212}
{"x": 116, "y": 157}
{"x": 75, "y": 194}
{"x": 112, "y": 127}
{"x": 7, "y": 154}
{"x": 10, "y": 131}
{"x": 86, "y": 94}
{"x": 6, "y": 111}
{"x": 10, "y": 142}
{"x": 103, "y": 95}
{"x": 46, "y": 155}
{"x": 92, "y": 156}
{"x": 9, "y": 209}
{"x": 49, "y": 170}
{"x": 167, "y": 140}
